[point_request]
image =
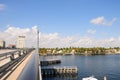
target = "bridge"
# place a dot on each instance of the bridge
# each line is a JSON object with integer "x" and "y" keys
{"x": 25, "y": 64}
{"x": 20, "y": 64}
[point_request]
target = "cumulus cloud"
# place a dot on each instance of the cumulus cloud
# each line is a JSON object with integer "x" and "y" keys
{"x": 99, "y": 20}
{"x": 90, "y": 31}
{"x": 50, "y": 40}
{"x": 112, "y": 39}
{"x": 11, "y": 34}
{"x": 102, "y": 21}
{"x": 17, "y": 31}
{"x": 2, "y": 7}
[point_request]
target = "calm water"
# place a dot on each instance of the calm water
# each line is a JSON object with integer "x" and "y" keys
{"x": 99, "y": 66}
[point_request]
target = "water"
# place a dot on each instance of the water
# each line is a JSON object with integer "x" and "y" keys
{"x": 98, "y": 66}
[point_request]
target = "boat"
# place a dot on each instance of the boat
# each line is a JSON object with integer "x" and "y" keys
{"x": 90, "y": 78}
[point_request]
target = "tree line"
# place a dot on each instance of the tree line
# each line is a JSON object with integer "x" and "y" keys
{"x": 79, "y": 50}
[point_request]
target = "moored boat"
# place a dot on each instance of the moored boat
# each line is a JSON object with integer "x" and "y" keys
{"x": 90, "y": 78}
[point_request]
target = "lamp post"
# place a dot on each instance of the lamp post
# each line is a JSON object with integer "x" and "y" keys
{"x": 40, "y": 76}
{"x": 37, "y": 40}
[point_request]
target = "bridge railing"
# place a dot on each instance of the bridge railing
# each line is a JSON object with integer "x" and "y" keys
{"x": 11, "y": 54}
{"x": 31, "y": 70}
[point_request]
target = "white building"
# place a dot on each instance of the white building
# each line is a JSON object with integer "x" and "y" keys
{"x": 2, "y": 44}
{"x": 21, "y": 42}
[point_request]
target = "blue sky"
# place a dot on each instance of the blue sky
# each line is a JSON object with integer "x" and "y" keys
{"x": 98, "y": 19}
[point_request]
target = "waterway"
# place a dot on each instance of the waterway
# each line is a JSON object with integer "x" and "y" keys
{"x": 98, "y": 66}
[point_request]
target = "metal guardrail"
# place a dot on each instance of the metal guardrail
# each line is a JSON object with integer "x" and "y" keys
{"x": 7, "y": 53}
{"x": 8, "y": 66}
{"x": 31, "y": 70}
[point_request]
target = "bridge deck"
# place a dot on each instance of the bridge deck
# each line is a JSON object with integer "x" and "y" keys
{"x": 17, "y": 71}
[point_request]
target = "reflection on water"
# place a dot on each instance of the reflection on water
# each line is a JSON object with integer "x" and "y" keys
{"x": 63, "y": 77}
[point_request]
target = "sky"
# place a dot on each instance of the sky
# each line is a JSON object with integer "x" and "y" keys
{"x": 62, "y": 23}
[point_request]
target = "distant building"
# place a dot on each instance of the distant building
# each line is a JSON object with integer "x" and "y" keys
{"x": 2, "y": 44}
{"x": 49, "y": 51}
{"x": 12, "y": 46}
{"x": 73, "y": 51}
{"x": 21, "y": 42}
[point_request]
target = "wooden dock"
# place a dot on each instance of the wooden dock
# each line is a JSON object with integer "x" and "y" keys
{"x": 59, "y": 71}
{"x": 50, "y": 62}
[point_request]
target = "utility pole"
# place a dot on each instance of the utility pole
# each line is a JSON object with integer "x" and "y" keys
{"x": 37, "y": 40}
{"x": 40, "y": 75}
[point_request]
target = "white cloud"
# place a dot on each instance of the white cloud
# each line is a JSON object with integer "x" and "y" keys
{"x": 112, "y": 39}
{"x": 99, "y": 20}
{"x": 90, "y": 31}
{"x": 2, "y": 7}
{"x": 54, "y": 39}
{"x": 17, "y": 31}
{"x": 102, "y": 21}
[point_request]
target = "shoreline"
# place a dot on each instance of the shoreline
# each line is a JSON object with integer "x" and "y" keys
{"x": 79, "y": 54}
